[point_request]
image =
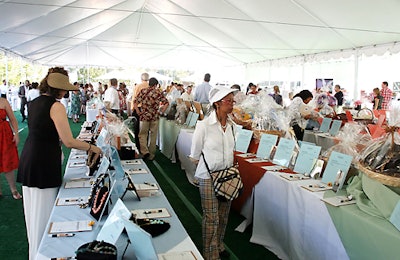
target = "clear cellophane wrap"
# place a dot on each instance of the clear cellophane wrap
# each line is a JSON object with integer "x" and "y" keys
{"x": 382, "y": 156}
{"x": 353, "y": 138}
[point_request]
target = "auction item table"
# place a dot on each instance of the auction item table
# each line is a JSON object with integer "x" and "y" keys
{"x": 175, "y": 239}
{"x": 293, "y": 222}
{"x": 324, "y": 140}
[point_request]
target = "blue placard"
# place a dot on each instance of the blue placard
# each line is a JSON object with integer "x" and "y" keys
{"x": 142, "y": 242}
{"x": 306, "y": 158}
{"x": 395, "y": 216}
{"x": 337, "y": 161}
{"x": 101, "y": 139}
{"x": 105, "y": 163}
{"x": 267, "y": 142}
{"x": 193, "y": 120}
{"x": 284, "y": 152}
{"x": 189, "y": 116}
{"x": 243, "y": 140}
{"x": 335, "y": 127}
{"x": 326, "y": 124}
{"x": 114, "y": 225}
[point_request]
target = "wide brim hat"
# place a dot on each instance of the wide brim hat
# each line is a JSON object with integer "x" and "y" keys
{"x": 218, "y": 93}
{"x": 60, "y": 81}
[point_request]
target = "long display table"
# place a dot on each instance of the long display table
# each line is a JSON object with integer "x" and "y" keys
{"x": 293, "y": 222}
{"x": 175, "y": 239}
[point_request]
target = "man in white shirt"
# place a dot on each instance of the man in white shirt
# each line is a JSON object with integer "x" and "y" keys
{"x": 187, "y": 95}
{"x": 111, "y": 98}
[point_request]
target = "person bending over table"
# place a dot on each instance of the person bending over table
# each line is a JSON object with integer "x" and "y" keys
{"x": 298, "y": 118}
{"x": 214, "y": 138}
{"x": 40, "y": 163}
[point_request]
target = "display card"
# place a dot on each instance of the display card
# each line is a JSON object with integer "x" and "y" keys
{"x": 284, "y": 152}
{"x": 335, "y": 127}
{"x": 243, "y": 140}
{"x": 395, "y": 216}
{"x": 337, "y": 162}
{"x": 114, "y": 225}
{"x": 325, "y": 125}
{"x": 306, "y": 158}
{"x": 267, "y": 142}
{"x": 193, "y": 120}
{"x": 189, "y": 116}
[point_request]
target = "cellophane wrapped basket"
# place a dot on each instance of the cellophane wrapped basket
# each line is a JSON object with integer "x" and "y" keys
{"x": 380, "y": 160}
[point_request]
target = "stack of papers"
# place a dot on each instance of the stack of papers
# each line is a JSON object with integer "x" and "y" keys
{"x": 151, "y": 213}
{"x": 147, "y": 189}
{"x": 294, "y": 177}
{"x": 339, "y": 201}
{"x": 79, "y": 183}
{"x": 317, "y": 187}
{"x": 136, "y": 171}
{"x": 71, "y": 201}
{"x": 257, "y": 160}
{"x": 71, "y": 226}
{"x": 131, "y": 162}
{"x": 184, "y": 255}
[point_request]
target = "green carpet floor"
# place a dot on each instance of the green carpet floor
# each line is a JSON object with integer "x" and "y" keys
{"x": 183, "y": 197}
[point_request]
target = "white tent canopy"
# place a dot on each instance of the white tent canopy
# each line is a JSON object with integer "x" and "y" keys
{"x": 191, "y": 34}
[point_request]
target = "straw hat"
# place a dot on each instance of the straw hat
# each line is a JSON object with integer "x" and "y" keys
{"x": 60, "y": 81}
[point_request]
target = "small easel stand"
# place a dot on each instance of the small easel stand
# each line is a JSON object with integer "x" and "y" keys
{"x": 128, "y": 242}
{"x": 130, "y": 187}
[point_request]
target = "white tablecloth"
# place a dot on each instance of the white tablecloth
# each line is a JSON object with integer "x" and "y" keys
{"x": 175, "y": 239}
{"x": 293, "y": 222}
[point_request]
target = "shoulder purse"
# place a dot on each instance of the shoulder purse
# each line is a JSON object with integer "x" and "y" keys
{"x": 227, "y": 182}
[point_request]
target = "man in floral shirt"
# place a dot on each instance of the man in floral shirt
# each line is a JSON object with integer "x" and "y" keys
{"x": 153, "y": 103}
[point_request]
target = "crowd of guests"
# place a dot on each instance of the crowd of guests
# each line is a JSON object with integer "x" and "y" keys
{"x": 213, "y": 139}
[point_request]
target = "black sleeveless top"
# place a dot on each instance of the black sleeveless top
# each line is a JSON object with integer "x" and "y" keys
{"x": 40, "y": 160}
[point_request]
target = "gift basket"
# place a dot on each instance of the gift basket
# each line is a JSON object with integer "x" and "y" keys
{"x": 353, "y": 140}
{"x": 261, "y": 114}
{"x": 364, "y": 116}
{"x": 380, "y": 159}
{"x": 325, "y": 104}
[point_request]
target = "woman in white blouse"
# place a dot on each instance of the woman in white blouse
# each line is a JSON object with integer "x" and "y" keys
{"x": 214, "y": 143}
{"x": 299, "y": 112}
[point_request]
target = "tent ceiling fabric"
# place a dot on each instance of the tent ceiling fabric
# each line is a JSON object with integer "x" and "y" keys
{"x": 195, "y": 33}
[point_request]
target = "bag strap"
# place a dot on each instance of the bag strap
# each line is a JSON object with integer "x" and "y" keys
{"x": 205, "y": 162}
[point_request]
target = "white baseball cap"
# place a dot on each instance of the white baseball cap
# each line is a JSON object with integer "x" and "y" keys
{"x": 218, "y": 93}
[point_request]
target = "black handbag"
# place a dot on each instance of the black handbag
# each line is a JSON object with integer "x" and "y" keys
{"x": 154, "y": 227}
{"x": 97, "y": 250}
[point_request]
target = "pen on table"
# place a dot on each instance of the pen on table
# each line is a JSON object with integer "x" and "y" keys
{"x": 62, "y": 235}
{"x": 73, "y": 200}
{"x": 150, "y": 184}
{"x": 79, "y": 179}
{"x": 152, "y": 211}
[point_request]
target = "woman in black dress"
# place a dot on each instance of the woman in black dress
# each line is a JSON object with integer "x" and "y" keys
{"x": 40, "y": 162}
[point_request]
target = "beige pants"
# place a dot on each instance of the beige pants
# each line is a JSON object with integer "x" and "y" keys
{"x": 147, "y": 137}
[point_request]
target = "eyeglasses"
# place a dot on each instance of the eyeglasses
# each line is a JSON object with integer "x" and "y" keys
{"x": 228, "y": 101}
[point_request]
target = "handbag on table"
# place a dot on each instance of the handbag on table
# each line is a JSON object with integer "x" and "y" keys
{"x": 97, "y": 250}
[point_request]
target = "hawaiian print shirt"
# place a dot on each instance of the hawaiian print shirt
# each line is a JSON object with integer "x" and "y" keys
{"x": 150, "y": 98}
